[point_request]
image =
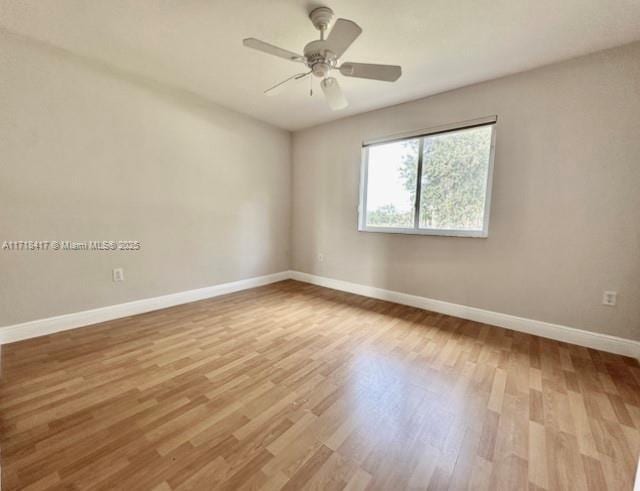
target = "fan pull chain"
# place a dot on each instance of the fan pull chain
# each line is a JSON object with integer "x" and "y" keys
{"x": 311, "y": 86}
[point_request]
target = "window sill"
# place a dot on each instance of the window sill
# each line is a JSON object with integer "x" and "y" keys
{"x": 477, "y": 234}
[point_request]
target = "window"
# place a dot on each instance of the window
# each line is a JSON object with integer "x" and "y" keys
{"x": 434, "y": 183}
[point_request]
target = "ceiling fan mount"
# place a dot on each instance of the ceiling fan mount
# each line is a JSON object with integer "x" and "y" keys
{"x": 321, "y": 56}
{"x": 321, "y": 18}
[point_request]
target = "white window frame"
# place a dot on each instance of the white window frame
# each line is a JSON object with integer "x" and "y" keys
{"x": 362, "y": 206}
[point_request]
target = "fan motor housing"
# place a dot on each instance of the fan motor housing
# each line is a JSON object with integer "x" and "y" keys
{"x": 319, "y": 58}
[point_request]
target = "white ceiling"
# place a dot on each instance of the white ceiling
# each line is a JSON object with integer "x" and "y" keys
{"x": 441, "y": 44}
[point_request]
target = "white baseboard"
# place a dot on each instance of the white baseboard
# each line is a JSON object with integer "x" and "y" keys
{"x": 41, "y": 327}
{"x": 604, "y": 342}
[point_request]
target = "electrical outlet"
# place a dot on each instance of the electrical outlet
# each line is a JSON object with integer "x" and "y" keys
{"x": 320, "y": 257}
{"x": 118, "y": 274}
{"x": 609, "y": 298}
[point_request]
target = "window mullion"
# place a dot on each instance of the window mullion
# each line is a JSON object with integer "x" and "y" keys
{"x": 416, "y": 220}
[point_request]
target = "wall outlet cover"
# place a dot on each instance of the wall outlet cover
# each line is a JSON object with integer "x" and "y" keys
{"x": 118, "y": 274}
{"x": 609, "y": 298}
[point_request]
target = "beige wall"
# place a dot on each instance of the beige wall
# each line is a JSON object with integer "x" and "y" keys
{"x": 91, "y": 153}
{"x": 88, "y": 153}
{"x": 565, "y": 216}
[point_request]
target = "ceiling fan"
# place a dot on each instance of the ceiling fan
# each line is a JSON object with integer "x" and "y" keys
{"x": 323, "y": 55}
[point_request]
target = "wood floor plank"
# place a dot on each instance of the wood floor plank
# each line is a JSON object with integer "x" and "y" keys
{"x": 293, "y": 386}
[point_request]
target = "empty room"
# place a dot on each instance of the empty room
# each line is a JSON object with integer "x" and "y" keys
{"x": 345, "y": 245}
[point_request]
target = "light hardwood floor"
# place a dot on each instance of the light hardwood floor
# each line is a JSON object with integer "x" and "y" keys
{"x": 291, "y": 386}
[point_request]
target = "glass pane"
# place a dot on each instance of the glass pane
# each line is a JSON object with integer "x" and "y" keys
{"x": 454, "y": 179}
{"x": 391, "y": 186}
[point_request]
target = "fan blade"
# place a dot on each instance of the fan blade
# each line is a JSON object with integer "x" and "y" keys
{"x": 387, "y": 73}
{"x": 271, "y": 49}
{"x": 277, "y": 88}
{"x": 333, "y": 93}
{"x": 344, "y": 33}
